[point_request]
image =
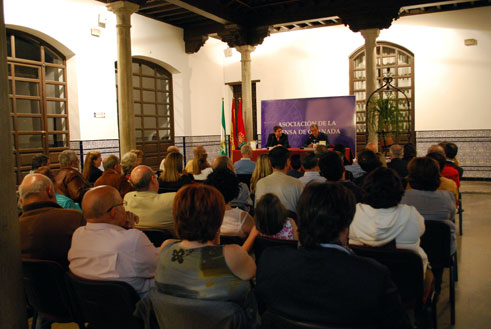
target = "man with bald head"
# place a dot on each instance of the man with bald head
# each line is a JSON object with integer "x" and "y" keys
{"x": 154, "y": 210}
{"x": 108, "y": 247}
{"x": 45, "y": 228}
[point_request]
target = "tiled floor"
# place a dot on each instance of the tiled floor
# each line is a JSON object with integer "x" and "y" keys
{"x": 473, "y": 290}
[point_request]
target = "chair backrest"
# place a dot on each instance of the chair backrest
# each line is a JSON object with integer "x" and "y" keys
{"x": 105, "y": 304}
{"x": 157, "y": 236}
{"x": 436, "y": 243}
{"x": 245, "y": 178}
{"x": 46, "y": 290}
{"x": 275, "y": 321}
{"x": 406, "y": 268}
{"x": 261, "y": 243}
{"x": 231, "y": 239}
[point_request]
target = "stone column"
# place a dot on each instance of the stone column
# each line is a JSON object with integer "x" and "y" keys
{"x": 12, "y": 300}
{"x": 370, "y": 36}
{"x": 245, "y": 62}
{"x": 123, "y": 11}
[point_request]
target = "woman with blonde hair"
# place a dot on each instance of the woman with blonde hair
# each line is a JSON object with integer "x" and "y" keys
{"x": 173, "y": 177}
{"x": 263, "y": 169}
{"x": 139, "y": 156}
{"x": 91, "y": 171}
{"x": 200, "y": 166}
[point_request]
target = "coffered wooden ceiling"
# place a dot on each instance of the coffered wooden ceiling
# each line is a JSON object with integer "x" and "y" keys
{"x": 241, "y": 22}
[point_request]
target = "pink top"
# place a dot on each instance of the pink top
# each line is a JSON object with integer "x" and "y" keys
{"x": 286, "y": 232}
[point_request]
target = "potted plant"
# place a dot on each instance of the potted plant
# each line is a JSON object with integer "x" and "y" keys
{"x": 384, "y": 118}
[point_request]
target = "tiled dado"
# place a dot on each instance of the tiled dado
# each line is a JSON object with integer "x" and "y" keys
{"x": 474, "y": 149}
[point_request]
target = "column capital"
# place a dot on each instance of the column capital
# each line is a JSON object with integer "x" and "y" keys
{"x": 370, "y": 35}
{"x": 122, "y": 7}
{"x": 245, "y": 50}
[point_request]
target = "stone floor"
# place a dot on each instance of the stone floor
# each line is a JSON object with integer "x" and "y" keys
{"x": 473, "y": 290}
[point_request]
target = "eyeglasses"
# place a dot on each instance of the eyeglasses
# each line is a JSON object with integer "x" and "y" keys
{"x": 124, "y": 203}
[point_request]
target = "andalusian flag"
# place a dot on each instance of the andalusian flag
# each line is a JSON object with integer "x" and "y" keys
{"x": 223, "y": 145}
{"x": 241, "y": 134}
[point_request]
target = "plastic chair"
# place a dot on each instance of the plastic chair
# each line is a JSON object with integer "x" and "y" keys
{"x": 157, "y": 236}
{"x": 261, "y": 243}
{"x": 105, "y": 304}
{"x": 436, "y": 243}
{"x": 47, "y": 292}
{"x": 406, "y": 268}
{"x": 275, "y": 321}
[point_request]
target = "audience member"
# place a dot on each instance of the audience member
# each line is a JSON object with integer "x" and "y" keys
{"x": 139, "y": 157}
{"x": 197, "y": 266}
{"x": 355, "y": 168}
{"x": 173, "y": 177}
{"x": 154, "y": 210}
{"x": 323, "y": 281}
{"x": 341, "y": 150}
{"x": 277, "y": 138}
{"x": 245, "y": 166}
{"x": 296, "y": 165}
{"x": 38, "y": 161}
{"x": 171, "y": 148}
{"x": 69, "y": 181}
{"x": 64, "y": 201}
{"x": 396, "y": 162}
{"x": 45, "y": 228}
{"x": 112, "y": 176}
{"x": 368, "y": 162}
{"x": 199, "y": 167}
{"x": 451, "y": 151}
{"x": 286, "y": 188}
{"x": 409, "y": 153}
{"x": 381, "y": 220}
{"x": 315, "y": 137}
{"x": 320, "y": 150}
{"x": 108, "y": 248}
{"x": 129, "y": 161}
{"x": 431, "y": 203}
{"x": 446, "y": 184}
{"x": 91, "y": 171}
{"x": 263, "y": 169}
{"x": 448, "y": 170}
{"x": 236, "y": 221}
{"x": 311, "y": 168}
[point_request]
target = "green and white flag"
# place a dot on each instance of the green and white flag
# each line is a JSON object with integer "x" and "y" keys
{"x": 223, "y": 144}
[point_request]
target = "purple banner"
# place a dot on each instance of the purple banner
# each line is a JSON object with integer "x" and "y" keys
{"x": 335, "y": 116}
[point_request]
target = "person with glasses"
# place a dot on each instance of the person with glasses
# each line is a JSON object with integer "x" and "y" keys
{"x": 108, "y": 247}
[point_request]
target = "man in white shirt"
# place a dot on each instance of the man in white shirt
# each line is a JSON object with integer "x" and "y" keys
{"x": 108, "y": 248}
{"x": 153, "y": 209}
{"x": 286, "y": 188}
{"x": 311, "y": 168}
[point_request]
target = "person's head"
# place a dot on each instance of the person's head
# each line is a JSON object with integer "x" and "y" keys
{"x": 423, "y": 174}
{"x": 111, "y": 162}
{"x": 439, "y": 158}
{"x": 382, "y": 188}
{"x": 198, "y": 211}
{"x": 93, "y": 159}
{"x": 226, "y": 182}
{"x": 340, "y": 148}
{"x": 263, "y": 169}
{"x": 314, "y": 130}
{"x": 68, "y": 158}
{"x": 368, "y": 160}
{"x": 223, "y": 162}
{"x": 278, "y": 131}
{"x": 143, "y": 179}
{"x": 436, "y": 148}
{"x": 200, "y": 160}
{"x": 409, "y": 151}
{"x": 139, "y": 156}
{"x": 295, "y": 162}
{"x": 36, "y": 188}
{"x": 246, "y": 151}
{"x": 173, "y": 167}
{"x": 39, "y": 160}
{"x": 321, "y": 150}
{"x": 451, "y": 150}
{"x": 324, "y": 214}
{"x": 279, "y": 157}
{"x": 103, "y": 204}
{"x": 396, "y": 151}
{"x": 372, "y": 147}
{"x": 270, "y": 214}
{"x": 172, "y": 148}
{"x": 309, "y": 161}
{"x": 128, "y": 162}
{"x": 331, "y": 166}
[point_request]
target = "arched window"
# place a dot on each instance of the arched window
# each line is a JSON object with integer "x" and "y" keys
{"x": 154, "y": 113}
{"x": 399, "y": 63}
{"x": 37, "y": 100}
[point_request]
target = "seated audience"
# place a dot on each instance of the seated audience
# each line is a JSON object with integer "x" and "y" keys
{"x": 173, "y": 177}
{"x": 409, "y": 153}
{"x": 236, "y": 221}
{"x": 154, "y": 210}
{"x": 446, "y": 184}
{"x": 199, "y": 167}
{"x": 448, "y": 170}
{"x": 311, "y": 168}
{"x": 341, "y": 150}
{"x": 197, "y": 266}
{"x": 396, "y": 162}
{"x": 45, "y": 228}
{"x": 355, "y": 168}
{"x": 277, "y": 138}
{"x": 331, "y": 167}
{"x": 171, "y": 148}
{"x": 431, "y": 203}
{"x": 91, "y": 171}
{"x": 263, "y": 169}
{"x": 451, "y": 151}
{"x": 108, "y": 248}
{"x": 69, "y": 181}
{"x": 112, "y": 176}
{"x": 296, "y": 165}
{"x": 320, "y": 150}
{"x": 368, "y": 162}
{"x": 38, "y": 161}
{"x": 323, "y": 281}
{"x": 139, "y": 156}
{"x": 271, "y": 220}
{"x": 245, "y": 166}
{"x": 64, "y": 201}
{"x": 129, "y": 161}
{"x": 286, "y": 188}
{"x": 381, "y": 220}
